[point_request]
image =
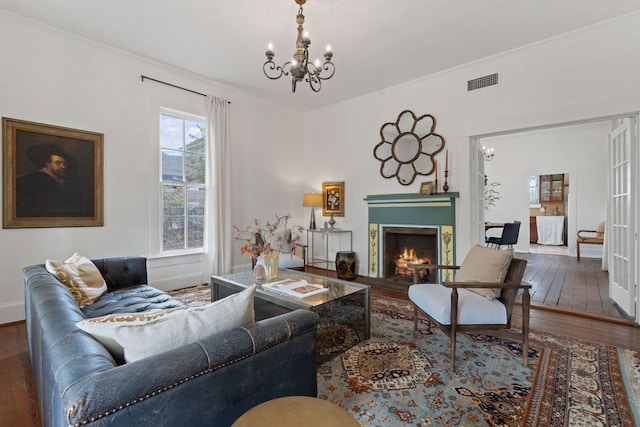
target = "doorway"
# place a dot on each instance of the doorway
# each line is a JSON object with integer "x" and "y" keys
{"x": 579, "y": 148}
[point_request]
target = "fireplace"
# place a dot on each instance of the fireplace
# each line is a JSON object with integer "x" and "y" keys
{"x": 402, "y": 246}
{"x": 411, "y": 228}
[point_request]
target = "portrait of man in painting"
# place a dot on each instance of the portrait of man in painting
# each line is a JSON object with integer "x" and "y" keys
{"x": 54, "y": 179}
{"x": 51, "y": 182}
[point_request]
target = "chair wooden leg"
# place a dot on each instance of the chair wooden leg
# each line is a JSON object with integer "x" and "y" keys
{"x": 578, "y": 250}
{"x": 415, "y": 318}
{"x": 453, "y": 350}
{"x": 454, "y": 326}
{"x": 525, "y": 325}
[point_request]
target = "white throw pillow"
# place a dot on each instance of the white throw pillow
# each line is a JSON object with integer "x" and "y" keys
{"x": 485, "y": 265}
{"x": 80, "y": 276}
{"x": 140, "y": 335}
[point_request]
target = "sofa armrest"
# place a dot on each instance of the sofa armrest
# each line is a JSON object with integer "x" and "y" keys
{"x": 210, "y": 382}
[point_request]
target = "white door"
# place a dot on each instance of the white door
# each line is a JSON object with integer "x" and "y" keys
{"x": 477, "y": 155}
{"x": 620, "y": 227}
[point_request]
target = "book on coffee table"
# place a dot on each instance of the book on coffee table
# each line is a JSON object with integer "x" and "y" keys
{"x": 295, "y": 288}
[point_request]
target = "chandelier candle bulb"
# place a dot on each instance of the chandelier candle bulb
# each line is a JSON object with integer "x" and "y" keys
{"x": 270, "y": 53}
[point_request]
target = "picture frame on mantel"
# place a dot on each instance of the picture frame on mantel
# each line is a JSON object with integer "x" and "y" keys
{"x": 52, "y": 176}
{"x": 333, "y": 198}
{"x": 426, "y": 187}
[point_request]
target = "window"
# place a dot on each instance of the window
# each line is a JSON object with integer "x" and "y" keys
{"x": 182, "y": 166}
{"x": 533, "y": 191}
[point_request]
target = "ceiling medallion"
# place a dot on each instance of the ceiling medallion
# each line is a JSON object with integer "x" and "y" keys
{"x": 299, "y": 67}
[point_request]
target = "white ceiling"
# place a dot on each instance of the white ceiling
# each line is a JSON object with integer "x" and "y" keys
{"x": 376, "y": 43}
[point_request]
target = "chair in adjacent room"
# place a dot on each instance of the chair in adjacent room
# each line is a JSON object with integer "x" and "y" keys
{"x": 509, "y": 236}
{"x": 590, "y": 237}
{"x": 480, "y": 299}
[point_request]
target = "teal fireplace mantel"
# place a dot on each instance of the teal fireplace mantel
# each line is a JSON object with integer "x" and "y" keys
{"x": 412, "y": 209}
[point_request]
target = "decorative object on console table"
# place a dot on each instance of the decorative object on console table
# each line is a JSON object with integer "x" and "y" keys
{"x": 346, "y": 265}
{"x": 53, "y": 176}
{"x": 313, "y": 201}
{"x": 408, "y": 147}
{"x": 333, "y": 198}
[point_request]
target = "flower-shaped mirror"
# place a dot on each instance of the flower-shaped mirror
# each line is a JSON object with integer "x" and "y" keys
{"x": 408, "y": 147}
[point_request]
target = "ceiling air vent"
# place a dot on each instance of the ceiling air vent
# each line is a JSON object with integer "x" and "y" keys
{"x": 484, "y": 81}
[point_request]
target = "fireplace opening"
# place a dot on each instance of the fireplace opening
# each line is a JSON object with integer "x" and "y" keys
{"x": 408, "y": 245}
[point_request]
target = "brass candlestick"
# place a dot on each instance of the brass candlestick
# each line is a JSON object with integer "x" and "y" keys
{"x": 445, "y": 187}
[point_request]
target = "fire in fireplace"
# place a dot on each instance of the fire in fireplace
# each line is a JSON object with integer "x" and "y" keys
{"x": 408, "y": 245}
{"x": 402, "y": 261}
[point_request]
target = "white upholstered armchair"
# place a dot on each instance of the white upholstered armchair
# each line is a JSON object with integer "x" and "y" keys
{"x": 481, "y": 297}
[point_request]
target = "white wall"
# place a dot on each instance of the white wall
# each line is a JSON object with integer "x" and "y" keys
{"x": 586, "y": 74}
{"x": 579, "y": 150}
{"x": 51, "y": 77}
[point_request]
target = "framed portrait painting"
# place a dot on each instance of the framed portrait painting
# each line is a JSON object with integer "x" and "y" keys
{"x": 333, "y": 198}
{"x": 52, "y": 176}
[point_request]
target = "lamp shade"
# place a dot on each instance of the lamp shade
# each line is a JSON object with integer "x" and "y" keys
{"x": 312, "y": 200}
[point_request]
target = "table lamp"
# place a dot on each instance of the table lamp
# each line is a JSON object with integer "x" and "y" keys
{"x": 313, "y": 201}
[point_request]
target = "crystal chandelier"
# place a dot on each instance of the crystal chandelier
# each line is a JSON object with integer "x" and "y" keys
{"x": 299, "y": 67}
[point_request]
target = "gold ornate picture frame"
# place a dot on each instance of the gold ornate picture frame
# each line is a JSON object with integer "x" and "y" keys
{"x": 52, "y": 176}
{"x": 333, "y": 198}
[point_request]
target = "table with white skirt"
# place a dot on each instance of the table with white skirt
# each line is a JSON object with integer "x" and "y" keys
{"x": 550, "y": 230}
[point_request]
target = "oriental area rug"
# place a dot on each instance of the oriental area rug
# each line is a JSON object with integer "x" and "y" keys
{"x": 398, "y": 378}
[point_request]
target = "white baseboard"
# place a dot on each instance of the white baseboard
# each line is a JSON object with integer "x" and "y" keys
{"x": 12, "y": 312}
{"x": 171, "y": 283}
{"x": 590, "y": 251}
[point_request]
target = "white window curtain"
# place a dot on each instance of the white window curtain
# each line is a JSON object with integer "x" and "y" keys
{"x": 217, "y": 240}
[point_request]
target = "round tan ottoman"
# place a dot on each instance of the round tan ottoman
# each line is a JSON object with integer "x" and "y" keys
{"x": 296, "y": 411}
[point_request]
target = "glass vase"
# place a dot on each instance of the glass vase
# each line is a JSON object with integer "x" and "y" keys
{"x": 270, "y": 260}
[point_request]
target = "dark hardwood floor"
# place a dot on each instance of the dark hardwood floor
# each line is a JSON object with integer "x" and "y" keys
{"x": 18, "y": 405}
{"x": 578, "y": 287}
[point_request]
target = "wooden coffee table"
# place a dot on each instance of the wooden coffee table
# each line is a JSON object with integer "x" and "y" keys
{"x": 343, "y": 310}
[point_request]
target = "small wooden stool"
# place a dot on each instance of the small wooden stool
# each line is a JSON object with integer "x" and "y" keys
{"x": 296, "y": 411}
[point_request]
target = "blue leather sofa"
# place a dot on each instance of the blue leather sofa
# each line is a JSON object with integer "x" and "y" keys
{"x": 211, "y": 382}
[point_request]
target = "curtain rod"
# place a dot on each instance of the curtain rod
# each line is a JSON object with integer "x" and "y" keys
{"x": 142, "y": 77}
